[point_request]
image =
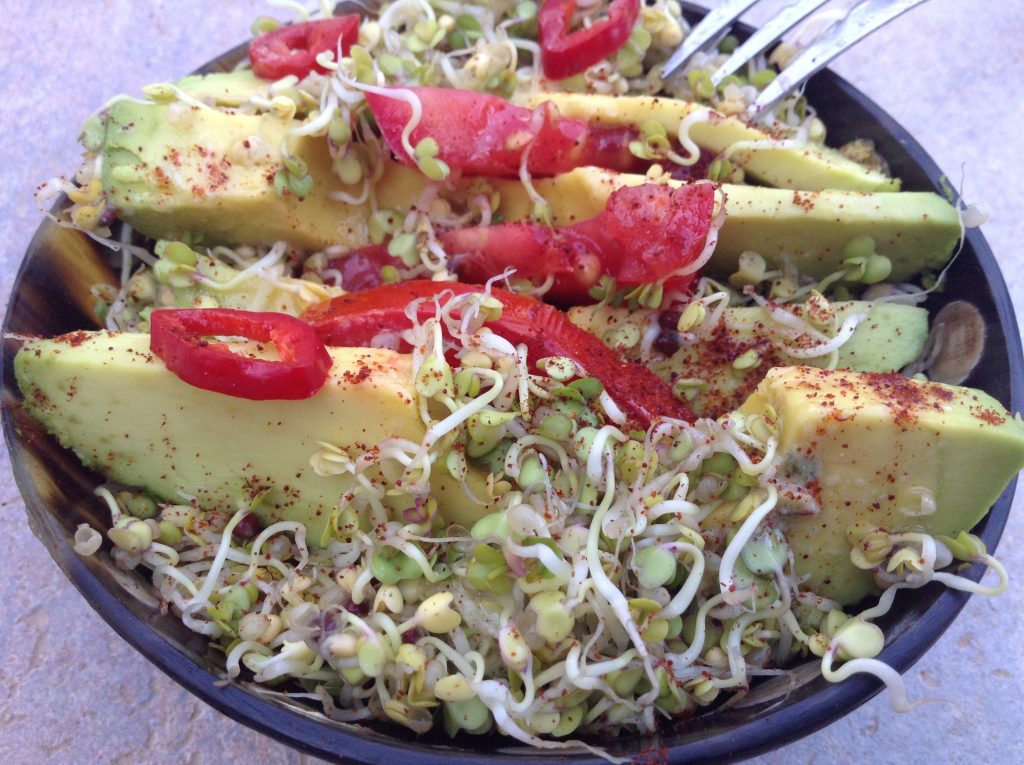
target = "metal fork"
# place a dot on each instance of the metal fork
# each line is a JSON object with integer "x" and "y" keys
{"x": 861, "y": 20}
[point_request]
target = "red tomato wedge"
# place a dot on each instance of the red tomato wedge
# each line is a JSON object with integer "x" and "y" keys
{"x": 645, "y": 234}
{"x": 179, "y": 338}
{"x": 356, "y": 318}
{"x": 564, "y": 53}
{"x": 293, "y": 49}
{"x": 481, "y": 134}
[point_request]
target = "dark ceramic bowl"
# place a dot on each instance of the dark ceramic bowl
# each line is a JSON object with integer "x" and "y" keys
{"x": 51, "y": 296}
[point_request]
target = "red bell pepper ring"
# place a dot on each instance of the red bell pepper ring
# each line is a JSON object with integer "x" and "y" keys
{"x": 178, "y": 337}
{"x": 293, "y": 49}
{"x": 645, "y": 234}
{"x": 356, "y": 318}
{"x": 481, "y": 134}
{"x": 564, "y": 53}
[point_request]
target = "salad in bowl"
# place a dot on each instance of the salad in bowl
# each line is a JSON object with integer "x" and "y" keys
{"x": 449, "y": 386}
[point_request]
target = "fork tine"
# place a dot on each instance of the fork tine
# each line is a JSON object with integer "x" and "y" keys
{"x": 716, "y": 21}
{"x": 862, "y": 20}
{"x": 766, "y": 35}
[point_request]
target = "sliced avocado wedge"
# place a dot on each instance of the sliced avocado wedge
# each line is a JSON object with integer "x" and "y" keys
{"x": 915, "y": 230}
{"x": 225, "y": 88}
{"x": 105, "y": 396}
{"x": 172, "y": 171}
{"x": 710, "y": 372}
{"x": 883, "y": 450}
{"x": 811, "y": 167}
{"x": 889, "y": 338}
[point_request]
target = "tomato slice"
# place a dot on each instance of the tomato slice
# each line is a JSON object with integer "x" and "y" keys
{"x": 293, "y": 49}
{"x": 569, "y": 255}
{"x": 645, "y": 234}
{"x": 564, "y": 53}
{"x": 178, "y": 337}
{"x": 357, "y": 318}
{"x": 481, "y": 134}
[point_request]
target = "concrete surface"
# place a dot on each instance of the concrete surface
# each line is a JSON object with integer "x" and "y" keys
{"x": 74, "y": 692}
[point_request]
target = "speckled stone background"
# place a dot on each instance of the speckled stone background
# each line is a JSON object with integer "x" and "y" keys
{"x": 73, "y": 692}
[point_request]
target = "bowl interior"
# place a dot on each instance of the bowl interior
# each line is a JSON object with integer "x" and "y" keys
{"x": 52, "y": 296}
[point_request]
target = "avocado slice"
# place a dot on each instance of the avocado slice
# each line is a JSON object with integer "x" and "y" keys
{"x": 229, "y": 89}
{"x": 192, "y": 170}
{"x": 889, "y": 337}
{"x": 916, "y": 230}
{"x": 867, "y": 447}
{"x": 105, "y": 396}
{"x": 812, "y": 167}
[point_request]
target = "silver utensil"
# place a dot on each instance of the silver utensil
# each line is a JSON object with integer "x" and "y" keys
{"x": 860, "y": 21}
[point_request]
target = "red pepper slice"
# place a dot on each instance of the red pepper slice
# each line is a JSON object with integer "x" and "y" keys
{"x": 645, "y": 234}
{"x": 356, "y": 318}
{"x": 564, "y": 53}
{"x": 177, "y": 337}
{"x": 481, "y": 134}
{"x": 293, "y": 49}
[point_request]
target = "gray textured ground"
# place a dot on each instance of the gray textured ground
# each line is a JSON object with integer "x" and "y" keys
{"x": 74, "y": 692}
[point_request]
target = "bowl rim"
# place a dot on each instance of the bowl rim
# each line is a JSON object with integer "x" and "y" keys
{"x": 318, "y": 736}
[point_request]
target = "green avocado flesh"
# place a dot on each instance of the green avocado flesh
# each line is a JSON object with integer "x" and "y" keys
{"x": 915, "y": 230}
{"x": 889, "y": 337}
{"x": 874, "y": 448}
{"x": 105, "y": 396}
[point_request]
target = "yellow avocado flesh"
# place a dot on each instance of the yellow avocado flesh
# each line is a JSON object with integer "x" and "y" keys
{"x": 172, "y": 171}
{"x": 811, "y": 167}
{"x": 889, "y": 337}
{"x": 225, "y": 88}
{"x": 869, "y": 447}
{"x": 916, "y": 230}
{"x": 105, "y": 396}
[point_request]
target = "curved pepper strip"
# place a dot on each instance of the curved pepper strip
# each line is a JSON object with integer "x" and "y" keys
{"x": 178, "y": 337}
{"x": 356, "y": 318}
{"x": 564, "y": 53}
{"x": 293, "y": 49}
